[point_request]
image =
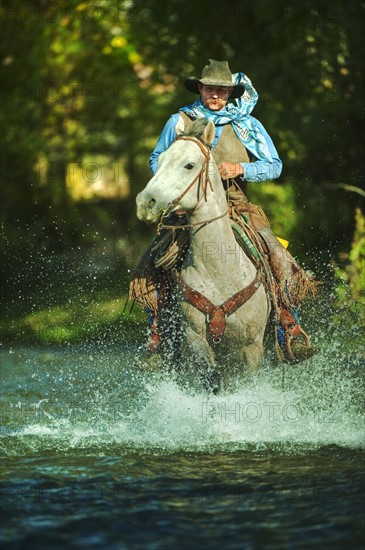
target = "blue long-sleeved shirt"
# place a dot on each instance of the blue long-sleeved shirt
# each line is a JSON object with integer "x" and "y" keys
{"x": 259, "y": 170}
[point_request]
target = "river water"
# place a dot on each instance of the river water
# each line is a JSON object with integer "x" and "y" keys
{"x": 98, "y": 453}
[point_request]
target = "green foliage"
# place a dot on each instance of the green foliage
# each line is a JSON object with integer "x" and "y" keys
{"x": 68, "y": 297}
{"x": 351, "y": 277}
{"x": 75, "y": 321}
{"x": 84, "y": 81}
{"x": 101, "y": 78}
{"x": 278, "y": 202}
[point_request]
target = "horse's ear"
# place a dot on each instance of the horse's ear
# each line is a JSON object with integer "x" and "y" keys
{"x": 209, "y": 133}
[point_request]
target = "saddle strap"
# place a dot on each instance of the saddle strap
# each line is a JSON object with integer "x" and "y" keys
{"x": 216, "y": 315}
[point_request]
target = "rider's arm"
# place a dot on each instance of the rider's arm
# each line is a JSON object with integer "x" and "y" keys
{"x": 262, "y": 170}
{"x": 166, "y": 138}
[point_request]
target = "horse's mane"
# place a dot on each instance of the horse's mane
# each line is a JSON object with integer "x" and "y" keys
{"x": 195, "y": 128}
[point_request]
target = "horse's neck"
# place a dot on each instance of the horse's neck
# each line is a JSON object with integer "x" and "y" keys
{"x": 213, "y": 243}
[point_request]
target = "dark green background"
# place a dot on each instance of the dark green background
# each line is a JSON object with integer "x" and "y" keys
{"x": 85, "y": 80}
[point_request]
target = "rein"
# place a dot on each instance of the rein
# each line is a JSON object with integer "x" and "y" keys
{"x": 198, "y": 177}
{"x": 188, "y": 225}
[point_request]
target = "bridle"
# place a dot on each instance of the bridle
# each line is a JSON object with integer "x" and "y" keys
{"x": 204, "y": 180}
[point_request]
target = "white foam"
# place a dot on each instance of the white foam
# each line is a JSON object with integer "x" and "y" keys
{"x": 319, "y": 405}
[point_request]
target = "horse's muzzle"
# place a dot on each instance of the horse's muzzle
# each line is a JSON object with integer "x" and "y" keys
{"x": 147, "y": 208}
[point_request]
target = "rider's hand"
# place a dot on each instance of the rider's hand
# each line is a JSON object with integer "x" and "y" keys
{"x": 230, "y": 170}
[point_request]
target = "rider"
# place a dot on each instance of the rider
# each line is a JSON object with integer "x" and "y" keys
{"x": 244, "y": 152}
{"x": 232, "y": 153}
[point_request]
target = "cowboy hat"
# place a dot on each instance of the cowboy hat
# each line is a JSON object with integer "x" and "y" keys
{"x": 215, "y": 73}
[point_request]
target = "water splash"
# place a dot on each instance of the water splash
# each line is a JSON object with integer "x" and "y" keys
{"x": 98, "y": 402}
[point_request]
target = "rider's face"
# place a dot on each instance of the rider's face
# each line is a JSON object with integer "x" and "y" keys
{"x": 214, "y": 97}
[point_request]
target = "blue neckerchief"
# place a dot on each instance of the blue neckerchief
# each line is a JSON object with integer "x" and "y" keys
{"x": 237, "y": 114}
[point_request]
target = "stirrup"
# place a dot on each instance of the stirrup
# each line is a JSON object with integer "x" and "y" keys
{"x": 299, "y": 348}
{"x": 293, "y": 340}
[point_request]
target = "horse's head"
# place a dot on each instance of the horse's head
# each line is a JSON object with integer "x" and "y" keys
{"x": 179, "y": 168}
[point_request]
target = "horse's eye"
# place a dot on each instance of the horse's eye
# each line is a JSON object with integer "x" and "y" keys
{"x": 189, "y": 166}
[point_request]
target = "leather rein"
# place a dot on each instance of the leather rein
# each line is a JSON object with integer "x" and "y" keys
{"x": 215, "y": 315}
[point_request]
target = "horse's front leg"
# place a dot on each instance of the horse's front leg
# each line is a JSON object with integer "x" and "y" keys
{"x": 252, "y": 356}
{"x": 203, "y": 359}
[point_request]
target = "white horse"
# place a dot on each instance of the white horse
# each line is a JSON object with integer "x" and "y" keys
{"x": 221, "y": 292}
